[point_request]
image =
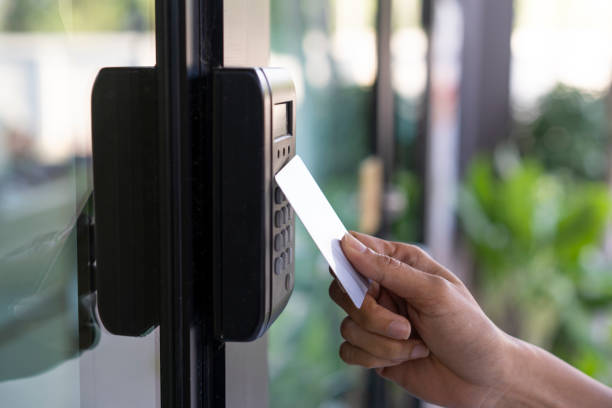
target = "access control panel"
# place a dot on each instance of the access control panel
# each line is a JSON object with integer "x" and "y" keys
{"x": 254, "y": 225}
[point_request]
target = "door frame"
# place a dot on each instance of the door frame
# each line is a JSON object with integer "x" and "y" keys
{"x": 178, "y": 382}
{"x": 193, "y": 37}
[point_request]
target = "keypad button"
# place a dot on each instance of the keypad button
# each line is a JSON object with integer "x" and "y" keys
{"x": 285, "y": 260}
{"x": 288, "y": 232}
{"x": 289, "y": 213}
{"x": 279, "y": 197}
{"x": 288, "y": 282}
{"x": 278, "y": 265}
{"x": 289, "y": 253}
{"x": 278, "y": 219}
{"x": 278, "y": 242}
{"x": 285, "y": 215}
{"x": 283, "y": 238}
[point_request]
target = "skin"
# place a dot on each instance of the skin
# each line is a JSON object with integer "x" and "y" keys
{"x": 420, "y": 327}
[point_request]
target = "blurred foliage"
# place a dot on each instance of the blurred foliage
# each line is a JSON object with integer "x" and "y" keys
{"x": 406, "y": 218}
{"x": 334, "y": 126}
{"x": 406, "y": 215}
{"x": 570, "y": 132}
{"x": 537, "y": 238}
{"x": 76, "y": 15}
{"x": 535, "y": 215}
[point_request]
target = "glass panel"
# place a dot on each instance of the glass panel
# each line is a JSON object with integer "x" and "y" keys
{"x": 50, "y": 53}
{"x": 330, "y": 47}
{"x": 409, "y": 69}
{"x": 404, "y": 209}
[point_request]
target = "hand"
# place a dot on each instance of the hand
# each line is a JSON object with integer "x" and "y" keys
{"x": 421, "y": 328}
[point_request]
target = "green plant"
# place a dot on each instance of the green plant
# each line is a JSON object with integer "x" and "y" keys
{"x": 536, "y": 237}
{"x": 406, "y": 215}
{"x": 570, "y": 132}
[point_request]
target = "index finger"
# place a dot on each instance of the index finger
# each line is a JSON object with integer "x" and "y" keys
{"x": 414, "y": 285}
{"x": 409, "y": 254}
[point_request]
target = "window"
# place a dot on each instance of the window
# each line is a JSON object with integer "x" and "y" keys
{"x": 53, "y": 352}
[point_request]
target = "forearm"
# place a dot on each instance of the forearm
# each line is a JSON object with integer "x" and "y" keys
{"x": 539, "y": 379}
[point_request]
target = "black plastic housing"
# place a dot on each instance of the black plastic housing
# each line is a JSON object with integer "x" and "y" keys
{"x": 126, "y": 195}
{"x": 249, "y": 148}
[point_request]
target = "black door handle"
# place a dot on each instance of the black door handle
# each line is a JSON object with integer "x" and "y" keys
{"x": 126, "y": 199}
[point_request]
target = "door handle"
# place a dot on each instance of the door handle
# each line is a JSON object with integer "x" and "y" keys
{"x": 126, "y": 199}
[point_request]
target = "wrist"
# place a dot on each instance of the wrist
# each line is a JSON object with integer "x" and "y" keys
{"x": 536, "y": 378}
{"x": 507, "y": 390}
{"x": 516, "y": 383}
{"x": 504, "y": 382}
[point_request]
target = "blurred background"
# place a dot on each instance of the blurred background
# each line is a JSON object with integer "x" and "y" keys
{"x": 477, "y": 129}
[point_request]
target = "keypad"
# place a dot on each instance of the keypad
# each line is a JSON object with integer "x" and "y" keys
{"x": 283, "y": 251}
{"x": 282, "y": 220}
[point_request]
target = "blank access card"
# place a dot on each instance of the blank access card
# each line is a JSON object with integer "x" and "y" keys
{"x": 322, "y": 224}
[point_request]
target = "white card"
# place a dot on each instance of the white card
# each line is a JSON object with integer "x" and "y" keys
{"x": 322, "y": 223}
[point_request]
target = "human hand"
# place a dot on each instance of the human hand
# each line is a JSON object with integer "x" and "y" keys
{"x": 420, "y": 327}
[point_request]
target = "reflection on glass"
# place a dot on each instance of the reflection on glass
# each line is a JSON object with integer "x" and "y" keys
{"x": 330, "y": 48}
{"x": 50, "y": 53}
{"x": 409, "y": 45}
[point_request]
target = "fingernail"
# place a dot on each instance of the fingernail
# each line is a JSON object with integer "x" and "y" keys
{"x": 419, "y": 351}
{"x": 354, "y": 243}
{"x": 398, "y": 330}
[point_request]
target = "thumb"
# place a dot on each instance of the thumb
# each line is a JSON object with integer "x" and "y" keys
{"x": 396, "y": 276}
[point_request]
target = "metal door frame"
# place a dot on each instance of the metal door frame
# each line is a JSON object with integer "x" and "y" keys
{"x": 176, "y": 306}
{"x": 192, "y": 38}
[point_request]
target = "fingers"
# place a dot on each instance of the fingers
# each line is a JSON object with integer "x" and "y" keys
{"x": 372, "y": 316}
{"x": 398, "y": 277}
{"x": 423, "y": 378}
{"x": 355, "y": 356}
{"x": 411, "y": 374}
{"x": 406, "y": 253}
{"x": 382, "y": 347}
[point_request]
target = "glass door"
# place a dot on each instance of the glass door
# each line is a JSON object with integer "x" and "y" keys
{"x": 331, "y": 49}
{"x": 360, "y": 69}
{"x": 53, "y": 350}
